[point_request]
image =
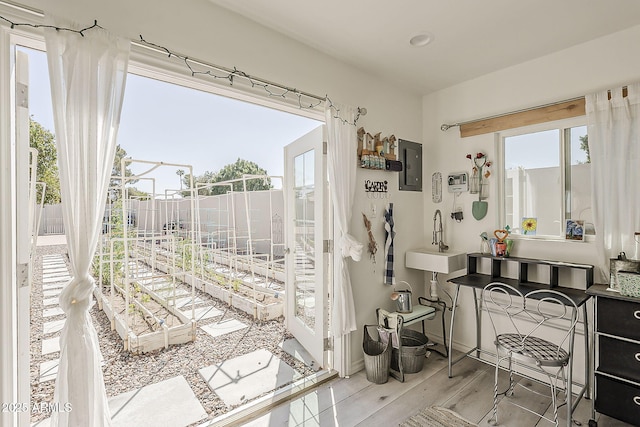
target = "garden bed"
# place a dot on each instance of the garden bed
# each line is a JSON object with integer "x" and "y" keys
{"x": 259, "y": 301}
{"x": 271, "y": 307}
{"x": 153, "y": 324}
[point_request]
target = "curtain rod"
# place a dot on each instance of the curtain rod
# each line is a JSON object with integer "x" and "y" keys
{"x": 444, "y": 127}
{"x": 254, "y": 81}
{"x": 160, "y": 49}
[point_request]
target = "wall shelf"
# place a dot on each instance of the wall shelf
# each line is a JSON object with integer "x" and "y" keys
{"x": 554, "y": 269}
{"x": 377, "y": 153}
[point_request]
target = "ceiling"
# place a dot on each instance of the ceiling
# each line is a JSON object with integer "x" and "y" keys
{"x": 470, "y": 38}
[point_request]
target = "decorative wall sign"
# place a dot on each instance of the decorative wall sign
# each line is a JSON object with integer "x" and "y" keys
{"x": 436, "y": 187}
{"x": 376, "y": 186}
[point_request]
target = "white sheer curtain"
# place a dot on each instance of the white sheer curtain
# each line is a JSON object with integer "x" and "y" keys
{"x": 341, "y": 156}
{"x": 88, "y": 77}
{"x": 614, "y": 147}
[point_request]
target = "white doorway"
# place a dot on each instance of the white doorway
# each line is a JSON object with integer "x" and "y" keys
{"x": 313, "y": 341}
{"x": 306, "y": 196}
{"x": 15, "y": 261}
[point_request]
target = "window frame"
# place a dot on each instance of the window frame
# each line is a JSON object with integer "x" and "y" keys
{"x": 562, "y": 125}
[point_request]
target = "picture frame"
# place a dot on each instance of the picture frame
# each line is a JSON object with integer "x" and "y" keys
{"x": 574, "y": 230}
{"x": 529, "y": 226}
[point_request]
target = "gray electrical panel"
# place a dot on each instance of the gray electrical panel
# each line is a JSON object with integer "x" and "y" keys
{"x": 410, "y": 153}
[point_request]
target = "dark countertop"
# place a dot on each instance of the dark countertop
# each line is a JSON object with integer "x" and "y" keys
{"x": 479, "y": 281}
{"x": 601, "y": 291}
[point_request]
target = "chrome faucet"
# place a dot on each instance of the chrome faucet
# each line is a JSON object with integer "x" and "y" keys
{"x": 437, "y": 232}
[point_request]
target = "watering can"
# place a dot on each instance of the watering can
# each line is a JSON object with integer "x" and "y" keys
{"x": 402, "y": 299}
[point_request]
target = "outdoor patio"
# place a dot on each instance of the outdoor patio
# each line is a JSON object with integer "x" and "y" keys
{"x": 233, "y": 360}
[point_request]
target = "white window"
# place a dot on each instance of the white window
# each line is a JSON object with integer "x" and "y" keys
{"x": 546, "y": 179}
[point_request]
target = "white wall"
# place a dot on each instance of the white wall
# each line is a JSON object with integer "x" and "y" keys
{"x": 201, "y": 30}
{"x": 607, "y": 62}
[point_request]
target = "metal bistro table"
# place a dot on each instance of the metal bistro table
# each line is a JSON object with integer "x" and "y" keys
{"x": 477, "y": 281}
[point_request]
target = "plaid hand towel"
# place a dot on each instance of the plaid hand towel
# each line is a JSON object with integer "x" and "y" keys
{"x": 389, "y": 273}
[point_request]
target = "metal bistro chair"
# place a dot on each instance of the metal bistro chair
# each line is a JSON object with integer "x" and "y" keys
{"x": 517, "y": 321}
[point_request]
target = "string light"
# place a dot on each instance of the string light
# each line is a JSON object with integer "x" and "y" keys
{"x": 218, "y": 72}
{"x": 22, "y": 24}
{"x": 305, "y": 101}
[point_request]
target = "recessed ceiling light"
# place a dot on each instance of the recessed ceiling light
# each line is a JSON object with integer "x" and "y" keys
{"x": 420, "y": 40}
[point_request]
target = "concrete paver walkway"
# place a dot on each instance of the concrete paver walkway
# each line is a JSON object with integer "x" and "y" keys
{"x": 166, "y": 403}
{"x": 54, "y": 276}
{"x": 171, "y": 402}
{"x": 242, "y": 378}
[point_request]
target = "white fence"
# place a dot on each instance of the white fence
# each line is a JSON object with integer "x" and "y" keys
{"x": 222, "y": 218}
{"x": 51, "y": 222}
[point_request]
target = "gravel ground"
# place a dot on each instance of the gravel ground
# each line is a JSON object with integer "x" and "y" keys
{"x": 124, "y": 371}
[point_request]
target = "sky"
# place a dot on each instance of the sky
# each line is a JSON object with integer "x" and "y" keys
{"x": 542, "y": 149}
{"x": 168, "y": 123}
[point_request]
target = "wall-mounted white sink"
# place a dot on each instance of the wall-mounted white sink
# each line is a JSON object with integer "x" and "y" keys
{"x": 429, "y": 259}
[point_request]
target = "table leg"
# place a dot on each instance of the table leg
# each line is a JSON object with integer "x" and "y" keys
{"x": 478, "y": 328}
{"x": 569, "y": 384}
{"x": 588, "y": 355}
{"x": 453, "y": 316}
{"x": 586, "y": 390}
{"x": 444, "y": 329}
{"x": 592, "y": 367}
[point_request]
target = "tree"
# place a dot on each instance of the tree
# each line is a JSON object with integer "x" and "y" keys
{"x": 116, "y": 173}
{"x": 47, "y": 170}
{"x": 584, "y": 146}
{"x": 205, "y": 178}
{"x": 116, "y": 178}
{"x": 134, "y": 193}
{"x": 230, "y": 172}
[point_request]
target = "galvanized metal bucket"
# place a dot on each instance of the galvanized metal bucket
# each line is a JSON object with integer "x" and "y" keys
{"x": 402, "y": 299}
{"x": 412, "y": 355}
{"x": 377, "y": 357}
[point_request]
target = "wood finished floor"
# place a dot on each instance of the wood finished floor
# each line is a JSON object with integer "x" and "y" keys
{"x": 356, "y": 402}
